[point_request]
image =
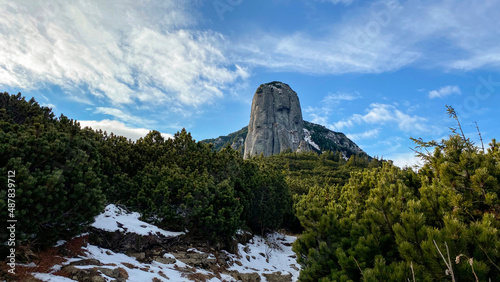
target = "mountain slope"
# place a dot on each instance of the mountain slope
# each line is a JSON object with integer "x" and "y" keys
{"x": 276, "y": 125}
{"x": 317, "y": 136}
{"x": 328, "y": 140}
{"x": 236, "y": 140}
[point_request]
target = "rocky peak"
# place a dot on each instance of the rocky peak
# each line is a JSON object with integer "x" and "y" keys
{"x": 276, "y": 125}
{"x": 275, "y": 121}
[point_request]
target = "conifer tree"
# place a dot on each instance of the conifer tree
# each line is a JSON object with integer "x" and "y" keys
{"x": 388, "y": 224}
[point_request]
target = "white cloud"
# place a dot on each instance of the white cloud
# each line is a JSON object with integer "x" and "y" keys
{"x": 345, "y": 2}
{"x": 444, "y": 91}
{"x": 364, "y": 135}
{"x": 318, "y": 119}
{"x": 119, "y": 52}
{"x": 49, "y": 105}
{"x": 333, "y": 54}
{"x": 380, "y": 114}
{"x": 406, "y": 160}
{"x": 335, "y": 98}
{"x": 119, "y": 114}
{"x": 385, "y": 36}
{"x": 329, "y": 103}
{"x": 118, "y": 128}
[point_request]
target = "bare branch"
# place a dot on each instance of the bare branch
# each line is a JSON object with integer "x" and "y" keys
{"x": 480, "y": 137}
{"x": 489, "y": 257}
{"x": 358, "y": 266}
{"x": 447, "y": 263}
{"x": 412, "y": 272}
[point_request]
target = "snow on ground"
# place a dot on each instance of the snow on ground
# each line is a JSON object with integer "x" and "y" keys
{"x": 115, "y": 218}
{"x": 138, "y": 271}
{"x": 261, "y": 255}
{"x": 60, "y": 243}
{"x": 51, "y": 277}
{"x": 307, "y": 137}
{"x": 266, "y": 256}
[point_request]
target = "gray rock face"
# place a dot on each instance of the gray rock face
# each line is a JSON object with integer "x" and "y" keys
{"x": 275, "y": 121}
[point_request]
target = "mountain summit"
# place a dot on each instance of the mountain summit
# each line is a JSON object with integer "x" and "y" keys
{"x": 275, "y": 121}
{"x": 276, "y": 125}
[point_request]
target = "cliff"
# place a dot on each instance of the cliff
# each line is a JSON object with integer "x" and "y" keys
{"x": 275, "y": 121}
{"x": 276, "y": 124}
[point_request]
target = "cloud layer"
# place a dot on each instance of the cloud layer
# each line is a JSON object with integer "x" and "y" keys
{"x": 118, "y": 128}
{"x": 345, "y": 2}
{"x": 444, "y": 91}
{"x": 381, "y": 114}
{"x": 387, "y": 35}
{"x": 124, "y": 52}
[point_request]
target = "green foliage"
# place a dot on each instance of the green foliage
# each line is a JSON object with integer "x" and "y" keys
{"x": 188, "y": 185}
{"x": 305, "y": 170}
{"x": 65, "y": 174}
{"x": 352, "y": 225}
{"x": 270, "y": 201}
{"x": 57, "y": 171}
{"x": 180, "y": 183}
{"x": 388, "y": 224}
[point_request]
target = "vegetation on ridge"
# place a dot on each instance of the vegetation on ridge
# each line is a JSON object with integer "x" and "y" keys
{"x": 392, "y": 224}
{"x": 319, "y": 135}
{"x": 361, "y": 219}
{"x": 65, "y": 175}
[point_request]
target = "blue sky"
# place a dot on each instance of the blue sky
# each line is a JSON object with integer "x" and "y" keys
{"x": 379, "y": 71}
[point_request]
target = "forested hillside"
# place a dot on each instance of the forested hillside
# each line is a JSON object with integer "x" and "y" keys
{"x": 360, "y": 219}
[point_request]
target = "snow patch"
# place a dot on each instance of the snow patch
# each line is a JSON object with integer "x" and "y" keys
{"x": 56, "y": 267}
{"x": 138, "y": 271}
{"x": 266, "y": 256}
{"x": 60, "y": 243}
{"x": 261, "y": 255}
{"x": 307, "y": 137}
{"x": 115, "y": 218}
{"x": 51, "y": 277}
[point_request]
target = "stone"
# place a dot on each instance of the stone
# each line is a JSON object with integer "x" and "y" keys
{"x": 165, "y": 260}
{"x": 278, "y": 277}
{"x": 70, "y": 269}
{"x": 276, "y": 125}
{"x": 245, "y": 277}
{"x": 86, "y": 262}
{"x": 97, "y": 279}
{"x": 91, "y": 274}
{"x": 138, "y": 256}
{"x": 303, "y": 147}
{"x": 275, "y": 121}
{"x": 119, "y": 273}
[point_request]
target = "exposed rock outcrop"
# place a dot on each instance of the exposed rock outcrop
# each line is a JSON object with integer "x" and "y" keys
{"x": 322, "y": 139}
{"x": 276, "y": 125}
{"x": 275, "y": 121}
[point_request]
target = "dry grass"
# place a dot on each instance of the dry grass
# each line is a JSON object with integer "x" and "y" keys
{"x": 46, "y": 259}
